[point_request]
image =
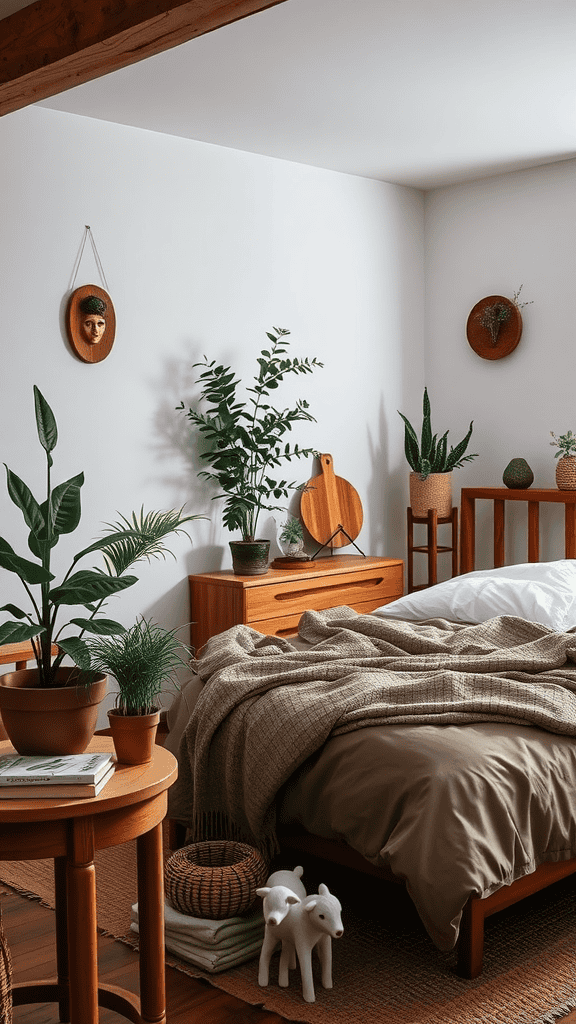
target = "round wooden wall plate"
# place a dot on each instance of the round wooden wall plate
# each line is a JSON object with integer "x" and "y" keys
{"x": 508, "y": 337}
{"x": 89, "y": 352}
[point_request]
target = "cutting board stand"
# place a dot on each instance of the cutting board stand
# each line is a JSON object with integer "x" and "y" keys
{"x": 339, "y": 529}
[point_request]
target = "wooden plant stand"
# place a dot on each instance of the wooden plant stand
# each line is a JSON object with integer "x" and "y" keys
{"x": 432, "y": 548}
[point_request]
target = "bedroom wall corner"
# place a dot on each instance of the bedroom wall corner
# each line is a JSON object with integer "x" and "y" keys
{"x": 490, "y": 237}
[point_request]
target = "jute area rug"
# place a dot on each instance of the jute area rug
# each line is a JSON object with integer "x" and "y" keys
{"x": 386, "y": 970}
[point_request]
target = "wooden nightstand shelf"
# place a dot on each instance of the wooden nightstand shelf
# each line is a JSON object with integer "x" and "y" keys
{"x": 273, "y": 603}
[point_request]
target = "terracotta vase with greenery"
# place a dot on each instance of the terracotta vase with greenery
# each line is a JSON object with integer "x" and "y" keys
{"x": 245, "y": 443}
{"x": 141, "y": 536}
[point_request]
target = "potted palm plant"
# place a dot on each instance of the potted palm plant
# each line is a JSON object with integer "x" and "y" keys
{"x": 31, "y": 699}
{"x": 432, "y": 463}
{"x": 246, "y": 443}
{"x": 143, "y": 660}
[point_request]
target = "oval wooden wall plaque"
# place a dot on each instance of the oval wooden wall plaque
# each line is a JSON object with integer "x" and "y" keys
{"x": 91, "y": 334}
{"x": 479, "y": 337}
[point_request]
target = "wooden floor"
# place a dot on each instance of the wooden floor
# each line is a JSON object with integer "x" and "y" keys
{"x": 29, "y": 929}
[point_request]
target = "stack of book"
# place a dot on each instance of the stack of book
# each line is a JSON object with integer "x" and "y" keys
{"x": 73, "y": 775}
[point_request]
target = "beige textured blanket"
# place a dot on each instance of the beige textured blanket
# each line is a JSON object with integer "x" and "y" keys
{"x": 266, "y": 707}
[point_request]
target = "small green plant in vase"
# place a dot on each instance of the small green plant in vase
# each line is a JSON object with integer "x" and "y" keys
{"x": 566, "y": 455}
{"x": 292, "y": 536}
{"x": 143, "y": 660}
{"x": 432, "y": 463}
{"x": 245, "y": 443}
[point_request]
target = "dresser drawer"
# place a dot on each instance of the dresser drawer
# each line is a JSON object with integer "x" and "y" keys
{"x": 369, "y": 588}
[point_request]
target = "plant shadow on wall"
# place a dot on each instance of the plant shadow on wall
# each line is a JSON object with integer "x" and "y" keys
{"x": 130, "y": 540}
{"x": 245, "y": 443}
{"x": 172, "y": 447}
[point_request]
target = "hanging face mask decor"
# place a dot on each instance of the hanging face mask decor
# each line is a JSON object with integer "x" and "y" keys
{"x": 90, "y": 317}
{"x": 91, "y": 323}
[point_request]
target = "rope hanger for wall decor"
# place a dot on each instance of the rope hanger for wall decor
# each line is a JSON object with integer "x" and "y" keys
{"x": 90, "y": 316}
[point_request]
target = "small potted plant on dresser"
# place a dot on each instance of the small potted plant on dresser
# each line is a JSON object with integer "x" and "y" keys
{"x": 566, "y": 465}
{"x": 432, "y": 464}
{"x": 53, "y": 708}
{"x": 246, "y": 444}
{"x": 142, "y": 659}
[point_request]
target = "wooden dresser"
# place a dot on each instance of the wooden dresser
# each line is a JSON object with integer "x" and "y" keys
{"x": 274, "y": 602}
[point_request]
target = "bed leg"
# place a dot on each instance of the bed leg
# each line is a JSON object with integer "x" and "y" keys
{"x": 471, "y": 939}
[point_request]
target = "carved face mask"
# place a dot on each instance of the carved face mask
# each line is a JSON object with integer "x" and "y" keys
{"x": 93, "y": 327}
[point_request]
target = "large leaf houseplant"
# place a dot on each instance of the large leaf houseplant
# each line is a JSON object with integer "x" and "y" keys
{"x": 245, "y": 442}
{"x": 432, "y": 463}
{"x": 141, "y": 536}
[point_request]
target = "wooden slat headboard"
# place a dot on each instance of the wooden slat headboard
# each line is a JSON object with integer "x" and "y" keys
{"x": 500, "y": 495}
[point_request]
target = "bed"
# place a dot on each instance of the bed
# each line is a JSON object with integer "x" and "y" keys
{"x": 457, "y": 777}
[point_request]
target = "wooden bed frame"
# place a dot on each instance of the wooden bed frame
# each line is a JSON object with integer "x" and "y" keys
{"x": 471, "y": 937}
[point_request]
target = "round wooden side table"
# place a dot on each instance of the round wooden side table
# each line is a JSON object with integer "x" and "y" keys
{"x": 132, "y": 805}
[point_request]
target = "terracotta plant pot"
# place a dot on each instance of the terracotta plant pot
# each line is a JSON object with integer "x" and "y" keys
{"x": 250, "y": 557}
{"x": 566, "y": 473}
{"x": 49, "y": 720}
{"x": 433, "y": 492}
{"x": 133, "y": 736}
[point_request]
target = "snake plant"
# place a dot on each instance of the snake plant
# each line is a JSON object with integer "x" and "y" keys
{"x": 430, "y": 454}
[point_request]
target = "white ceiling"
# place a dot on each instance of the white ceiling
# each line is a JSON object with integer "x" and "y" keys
{"x": 419, "y": 92}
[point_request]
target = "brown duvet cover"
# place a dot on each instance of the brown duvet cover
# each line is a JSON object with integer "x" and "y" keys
{"x": 443, "y": 752}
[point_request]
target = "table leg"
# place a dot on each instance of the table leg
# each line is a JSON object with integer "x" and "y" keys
{"x": 151, "y": 926}
{"x": 61, "y": 904}
{"x": 82, "y": 922}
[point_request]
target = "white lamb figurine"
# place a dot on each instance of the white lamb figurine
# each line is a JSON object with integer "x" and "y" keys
{"x": 307, "y": 922}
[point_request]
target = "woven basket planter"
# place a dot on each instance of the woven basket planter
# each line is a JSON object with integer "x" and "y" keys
{"x": 566, "y": 473}
{"x": 433, "y": 492}
{"x": 215, "y": 879}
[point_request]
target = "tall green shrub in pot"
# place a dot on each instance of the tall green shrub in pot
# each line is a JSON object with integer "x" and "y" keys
{"x": 245, "y": 441}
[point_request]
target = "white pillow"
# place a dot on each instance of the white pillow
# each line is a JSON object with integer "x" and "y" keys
{"x": 543, "y": 592}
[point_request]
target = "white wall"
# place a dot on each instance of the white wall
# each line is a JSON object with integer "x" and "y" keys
{"x": 488, "y": 238}
{"x": 204, "y": 249}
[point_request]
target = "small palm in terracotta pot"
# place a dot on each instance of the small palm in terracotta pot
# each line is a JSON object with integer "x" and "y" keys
{"x": 142, "y": 659}
{"x": 566, "y": 466}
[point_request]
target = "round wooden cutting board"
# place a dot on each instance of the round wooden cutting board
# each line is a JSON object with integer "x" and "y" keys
{"x": 329, "y": 502}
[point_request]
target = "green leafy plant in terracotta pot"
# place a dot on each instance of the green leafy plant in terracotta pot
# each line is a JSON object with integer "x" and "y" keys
{"x": 566, "y": 465}
{"x": 143, "y": 660}
{"x": 246, "y": 443}
{"x": 33, "y": 695}
{"x": 432, "y": 463}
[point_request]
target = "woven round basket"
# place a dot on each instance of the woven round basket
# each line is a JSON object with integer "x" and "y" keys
{"x": 566, "y": 473}
{"x": 433, "y": 492}
{"x": 215, "y": 879}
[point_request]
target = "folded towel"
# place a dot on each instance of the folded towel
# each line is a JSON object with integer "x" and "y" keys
{"x": 211, "y": 960}
{"x": 208, "y": 933}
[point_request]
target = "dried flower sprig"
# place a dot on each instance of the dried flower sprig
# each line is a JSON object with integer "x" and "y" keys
{"x": 494, "y": 316}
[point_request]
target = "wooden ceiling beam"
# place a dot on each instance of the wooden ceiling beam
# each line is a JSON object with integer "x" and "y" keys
{"x": 54, "y": 45}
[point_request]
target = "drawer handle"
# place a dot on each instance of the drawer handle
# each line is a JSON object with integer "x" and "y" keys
{"x": 299, "y": 594}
